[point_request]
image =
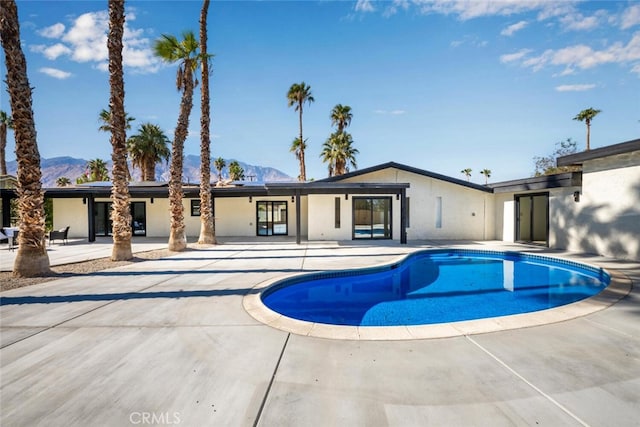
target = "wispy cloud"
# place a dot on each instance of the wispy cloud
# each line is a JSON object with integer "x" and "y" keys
{"x": 86, "y": 41}
{"x": 512, "y": 29}
{"x": 55, "y": 73}
{"x": 579, "y": 22}
{"x": 365, "y": 6}
{"x": 511, "y": 57}
{"x": 630, "y": 17}
{"x": 390, "y": 112}
{"x": 471, "y": 40}
{"x": 52, "y": 32}
{"x": 575, "y": 88}
{"x": 582, "y": 56}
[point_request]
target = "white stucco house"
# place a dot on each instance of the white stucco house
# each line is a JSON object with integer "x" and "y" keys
{"x": 596, "y": 210}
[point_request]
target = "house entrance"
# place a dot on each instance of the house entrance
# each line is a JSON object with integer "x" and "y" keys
{"x": 271, "y": 218}
{"x": 532, "y": 218}
{"x": 103, "y": 224}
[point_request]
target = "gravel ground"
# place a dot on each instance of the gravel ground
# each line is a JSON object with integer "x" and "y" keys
{"x": 67, "y": 270}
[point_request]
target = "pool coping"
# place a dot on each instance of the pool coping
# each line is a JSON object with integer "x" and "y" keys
{"x": 619, "y": 287}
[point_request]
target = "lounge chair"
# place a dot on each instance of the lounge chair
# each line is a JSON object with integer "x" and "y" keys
{"x": 59, "y": 235}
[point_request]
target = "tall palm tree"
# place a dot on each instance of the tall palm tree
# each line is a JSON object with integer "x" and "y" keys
{"x": 207, "y": 226}
{"x": 341, "y": 116}
{"x": 297, "y": 147}
{"x": 586, "y": 116}
{"x": 487, "y": 175}
{"x": 467, "y": 173}
{"x": 219, "y": 164}
{"x": 63, "y": 181}
{"x": 120, "y": 198}
{"x": 5, "y": 123}
{"x": 339, "y": 153}
{"x": 298, "y": 94}
{"x": 185, "y": 53}
{"x": 31, "y": 259}
{"x": 147, "y": 148}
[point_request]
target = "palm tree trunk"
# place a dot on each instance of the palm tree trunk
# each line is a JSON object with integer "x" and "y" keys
{"x": 207, "y": 226}
{"x": 588, "y": 134}
{"x": 149, "y": 172}
{"x": 177, "y": 236}
{"x": 3, "y": 149}
{"x": 31, "y": 259}
{"x": 303, "y": 171}
{"x": 121, "y": 213}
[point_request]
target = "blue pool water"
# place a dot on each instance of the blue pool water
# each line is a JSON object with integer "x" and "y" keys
{"x": 436, "y": 287}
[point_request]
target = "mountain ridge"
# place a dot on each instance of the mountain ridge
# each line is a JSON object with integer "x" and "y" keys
{"x": 71, "y": 167}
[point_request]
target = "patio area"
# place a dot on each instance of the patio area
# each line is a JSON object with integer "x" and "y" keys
{"x": 167, "y": 341}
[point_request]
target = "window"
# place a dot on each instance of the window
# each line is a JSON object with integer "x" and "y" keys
{"x": 337, "y": 213}
{"x": 438, "y": 212}
{"x": 371, "y": 218}
{"x": 195, "y": 207}
{"x": 271, "y": 218}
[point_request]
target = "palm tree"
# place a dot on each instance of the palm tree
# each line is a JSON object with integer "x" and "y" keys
{"x": 105, "y": 119}
{"x": 207, "y": 226}
{"x": 97, "y": 170}
{"x": 185, "y": 52}
{"x": 339, "y": 153}
{"x": 31, "y": 259}
{"x": 219, "y": 164}
{"x": 586, "y": 116}
{"x": 5, "y": 123}
{"x": 147, "y": 148}
{"x": 487, "y": 175}
{"x": 467, "y": 173}
{"x": 120, "y": 198}
{"x": 236, "y": 173}
{"x": 63, "y": 181}
{"x": 341, "y": 117}
{"x": 298, "y": 147}
{"x": 298, "y": 94}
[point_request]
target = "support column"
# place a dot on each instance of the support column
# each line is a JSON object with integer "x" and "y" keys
{"x": 298, "y": 227}
{"x": 403, "y": 217}
{"x": 91, "y": 213}
{"x": 6, "y": 210}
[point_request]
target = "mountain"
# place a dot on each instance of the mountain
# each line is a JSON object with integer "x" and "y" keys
{"x": 72, "y": 168}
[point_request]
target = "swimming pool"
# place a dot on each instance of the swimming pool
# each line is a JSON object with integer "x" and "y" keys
{"x": 436, "y": 286}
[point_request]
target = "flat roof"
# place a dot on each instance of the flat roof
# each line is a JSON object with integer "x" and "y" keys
{"x": 597, "y": 153}
{"x": 543, "y": 182}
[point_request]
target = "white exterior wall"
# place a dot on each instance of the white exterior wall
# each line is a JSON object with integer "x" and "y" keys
{"x": 466, "y": 213}
{"x": 606, "y": 220}
{"x": 236, "y": 216}
{"x": 72, "y": 213}
{"x": 504, "y": 208}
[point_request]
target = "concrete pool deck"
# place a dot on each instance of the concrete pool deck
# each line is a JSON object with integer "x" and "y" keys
{"x": 168, "y": 342}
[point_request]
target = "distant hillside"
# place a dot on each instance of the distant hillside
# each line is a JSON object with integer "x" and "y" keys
{"x": 72, "y": 168}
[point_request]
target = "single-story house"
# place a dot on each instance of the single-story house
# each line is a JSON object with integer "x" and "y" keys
{"x": 596, "y": 210}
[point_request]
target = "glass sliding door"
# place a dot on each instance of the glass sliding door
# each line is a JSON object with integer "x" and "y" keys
{"x": 372, "y": 218}
{"x": 532, "y": 218}
{"x": 138, "y": 218}
{"x": 271, "y": 218}
{"x": 104, "y": 225}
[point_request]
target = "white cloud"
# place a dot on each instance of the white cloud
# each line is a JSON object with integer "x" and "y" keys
{"x": 579, "y": 22}
{"x": 575, "y": 88}
{"x": 52, "y": 32}
{"x": 390, "y": 112}
{"x": 365, "y": 6}
{"x": 511, "y": 29}
{"x": 584, "y": 57}
{"x": 58, "y": 49}
{"x": 630, "y": 17}
{"x": 511, "y": 57}
{"x": 465, "y": 9}
{"x": 55, "y": 73}
{"x": 86, "y": 41}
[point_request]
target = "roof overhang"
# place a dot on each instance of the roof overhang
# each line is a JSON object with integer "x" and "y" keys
{"x": 544, "y": 182}
{"x": 610, "y": 150}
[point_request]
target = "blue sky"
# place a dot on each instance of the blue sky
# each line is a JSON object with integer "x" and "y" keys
{"x": 438, "y": 85}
